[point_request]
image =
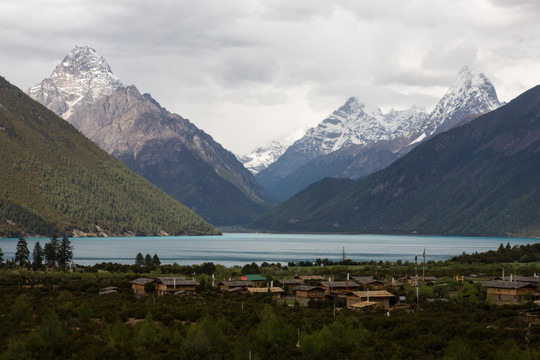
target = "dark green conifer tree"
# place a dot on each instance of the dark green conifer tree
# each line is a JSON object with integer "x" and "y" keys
{"x": 148, "y": 259}
{"x": 22, "y": 256}
{"x": 51, "y": 252}
{"x": 37, "y": 256}
{"x": 156, "y": 261}
{"x": 139, "y": 259}
{"x": 65, "y": 253}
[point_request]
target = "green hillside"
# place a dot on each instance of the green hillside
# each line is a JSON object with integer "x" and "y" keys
{"x": 480, "y": 179}
{"x": 54, "y": 180}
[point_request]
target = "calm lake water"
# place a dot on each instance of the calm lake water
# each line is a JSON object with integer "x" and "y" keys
{"x": 239, "y": 249}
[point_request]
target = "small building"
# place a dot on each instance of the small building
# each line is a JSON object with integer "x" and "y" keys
{"x": 288, "y": 283}
{"x": 535, "y": 280}
{"x": 138, "y": 285}
{"x": 305, "y": 293}
{"x": 177, "y": 285}
{"x": 276, "y": 292}
{"x": 256, "y": 279}
{"x": 411, "y": 280}
{"x": 380, "y": 297}
{"x": 368, "y": 282}
{"x": 108, "y": 290}
{"x": 309, "y": 279}
{"x": 501, "y": 292}
{"x": 338, "y": 287}
{"x": 235, "y": 285}
{"x": 363, "y": 305}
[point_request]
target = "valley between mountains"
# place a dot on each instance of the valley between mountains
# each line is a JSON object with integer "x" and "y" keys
{"x": 470, "y": 166}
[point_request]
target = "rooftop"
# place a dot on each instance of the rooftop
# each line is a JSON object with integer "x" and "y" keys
{"x": 507, "y": 284}
{"x": 373, "y": 294}
{"x": 253, "y": 277}
{"x": 273, "y": 290}
{"x": 339, "y": 284}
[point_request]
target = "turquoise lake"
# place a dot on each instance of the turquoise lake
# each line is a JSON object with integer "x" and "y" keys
{"x": 241, "y": 248}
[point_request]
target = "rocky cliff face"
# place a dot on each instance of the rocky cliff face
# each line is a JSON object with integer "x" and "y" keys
{"x": 82, "y": 77}
{"x": 358, "y": 139}
{"x": 163, "y": 147}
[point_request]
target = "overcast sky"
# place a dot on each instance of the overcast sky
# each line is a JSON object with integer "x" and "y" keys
{"x": 249, "y": 71}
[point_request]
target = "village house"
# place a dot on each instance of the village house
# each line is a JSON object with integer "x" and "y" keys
{"x": 381, "y": 298}
{"x": 411, "y": 280}
{"x": 501, "y": 292}
{"x": 108, "y": 290}
{"x": 289, "y": 283}
{"x": 276, "y": 292}
{"x": 235, "y": 285}
{"x": 177, "y": 285}
{"x": 338, "y": 287}
{"x": 138, "y": 285}
{"x": 256, "y": 279}
{"x": 309, "y": 279}
{"x": 305, "y": 293}
{"x": 368, "y": 282}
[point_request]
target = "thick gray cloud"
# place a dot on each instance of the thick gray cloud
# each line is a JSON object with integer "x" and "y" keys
{"x": 248, "y": 71}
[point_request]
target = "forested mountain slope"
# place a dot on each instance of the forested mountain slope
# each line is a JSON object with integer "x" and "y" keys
{"x": 55, "y": 180}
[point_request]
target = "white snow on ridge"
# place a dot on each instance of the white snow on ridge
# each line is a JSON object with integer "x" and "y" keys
{"x": 418, "y": 139}
{"x": 355, "y": 123}
{"x": 83, "y": 75}
{"x": 263, "y": 156}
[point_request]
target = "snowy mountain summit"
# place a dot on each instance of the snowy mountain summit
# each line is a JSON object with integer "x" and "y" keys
{"x": 359, "y": 124}
{"x": 82, "y": 77}
{"x": 358, "y": 139}
{"x": 470, "y": 95}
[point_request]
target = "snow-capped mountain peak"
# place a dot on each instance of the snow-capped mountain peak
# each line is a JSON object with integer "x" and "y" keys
{"x": 83, "y": 76}
{"x": 263, "y": 156}
{"x": 356, "y": 123}
{"x": 470, "y": 94}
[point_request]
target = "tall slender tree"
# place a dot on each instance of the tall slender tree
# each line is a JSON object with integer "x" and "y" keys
{"x": 156, "y": 261}
{"x": 51, "y": 252}
{"x": 1, "y": 257}
{"x": 22, "y": 255}
{"x": 37, "y": 256}
{"x": 148, "y": 259}
{"x": 65, "y": 253}
{"x": 139, "y": 259}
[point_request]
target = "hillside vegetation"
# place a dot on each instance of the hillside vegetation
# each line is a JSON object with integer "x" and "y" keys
{"x": 54, "y": 180}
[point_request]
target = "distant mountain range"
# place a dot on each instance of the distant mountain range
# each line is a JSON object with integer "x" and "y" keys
{"x": 163, "y": 147}
{"x": 477, "y": 179}
{"x": 53, "y": 180}
{"x": 358, "y": 139}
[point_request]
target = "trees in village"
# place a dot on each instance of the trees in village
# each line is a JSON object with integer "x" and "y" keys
{"x": 51, "y": 252}
{"x": 58, "y": 253}
{"x": 37, "y": 256}
{"x": 147, "y": 260}
{"x": 65, "y": 253}
{"x": 22, "y": 255}
{"x": 139, "y": 259}
{"x": 155, "y": 260}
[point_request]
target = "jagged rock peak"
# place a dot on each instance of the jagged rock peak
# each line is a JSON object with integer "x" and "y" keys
{"x": 83, "y": 76}
{"x": 471, "y": 94}
{"x": 85, "y": 59}
{"x": 469, "y": 80}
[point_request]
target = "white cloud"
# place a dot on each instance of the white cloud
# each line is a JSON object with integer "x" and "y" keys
{"x": 247, "y": 71}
